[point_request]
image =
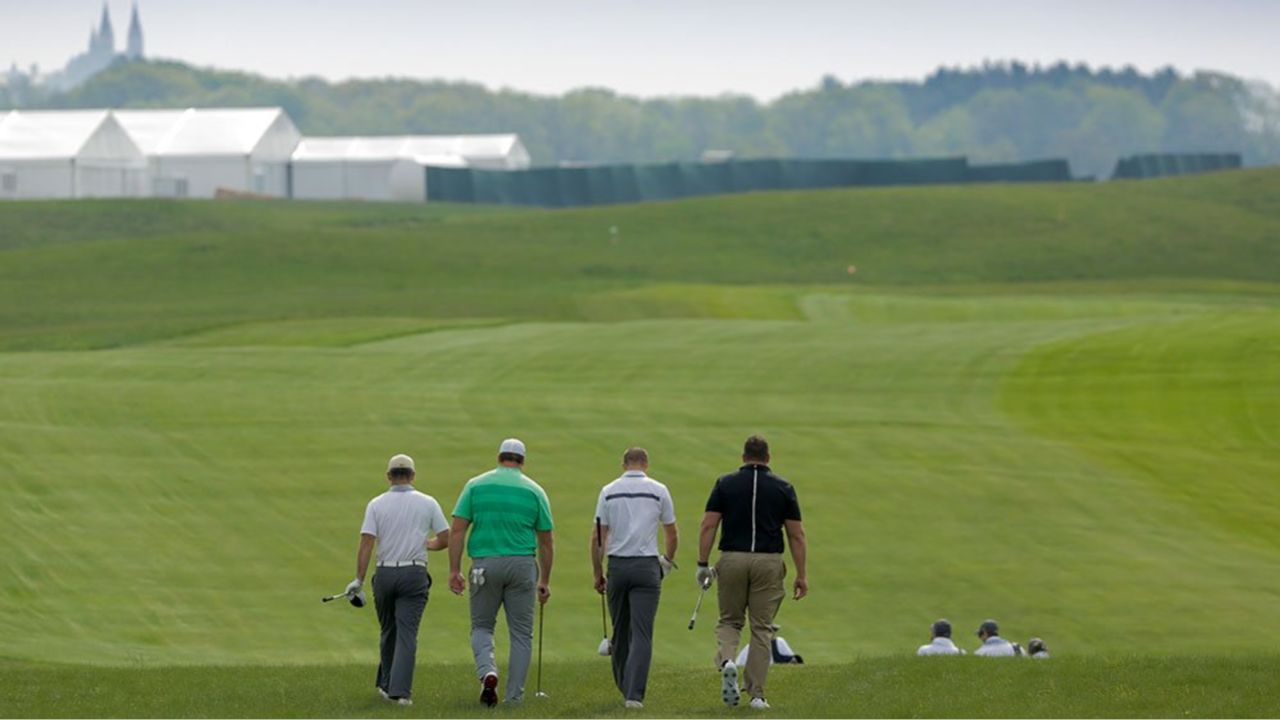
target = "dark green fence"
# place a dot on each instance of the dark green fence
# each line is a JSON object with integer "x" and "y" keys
{"x": 608, "y": 184}
{"x": 1138, "y": 167}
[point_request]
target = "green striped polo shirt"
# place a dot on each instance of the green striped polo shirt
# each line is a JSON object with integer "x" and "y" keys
{"x": 506, "y": 508}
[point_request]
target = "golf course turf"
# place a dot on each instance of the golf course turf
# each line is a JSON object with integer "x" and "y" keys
{"x": 1058, "y": 406}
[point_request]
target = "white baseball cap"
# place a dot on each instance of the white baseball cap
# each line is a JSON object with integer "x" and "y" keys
{"x": 400, "y": 462}
{"x": 513, "y": 446}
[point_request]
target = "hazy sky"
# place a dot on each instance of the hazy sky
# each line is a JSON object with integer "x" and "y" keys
{"x": 660, "y": 47}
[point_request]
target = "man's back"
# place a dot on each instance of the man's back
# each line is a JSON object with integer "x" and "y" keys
{"x": 996, "y": 647}
{"x": 632, "y": 507}
{"x": 506, "y": 508}
{"x": 940, "y": 646}
{"x": 401, "y": 519}
{"x": 754, "y": 504}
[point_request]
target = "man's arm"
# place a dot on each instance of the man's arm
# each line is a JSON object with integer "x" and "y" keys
{"x": 672, "y": 536}
{"x": 546, "y": 554}
{"x": 599, "y": 536}
{"x": 439, "y": 542}
{"x": 459, "y": 533}
{"x": 707, "y": 536}
{"x": 363, "y": 555}
{"x": 796, "y": 541}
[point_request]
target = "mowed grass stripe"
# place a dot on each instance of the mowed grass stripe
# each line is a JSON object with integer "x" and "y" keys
{"x": 218, "y": 491}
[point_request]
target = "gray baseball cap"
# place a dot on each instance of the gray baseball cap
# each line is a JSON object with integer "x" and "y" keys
{"x": 400, "y": 462}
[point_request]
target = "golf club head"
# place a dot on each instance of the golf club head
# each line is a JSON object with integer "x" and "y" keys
{"x": 606, "y": 648}
{"x": 357, "y": 599}
{"x": 541, "y": 694}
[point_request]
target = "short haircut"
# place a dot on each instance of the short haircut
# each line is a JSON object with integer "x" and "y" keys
{"x": 756, "y": 448}
{"x": 635, "y": 456}
{"x": 400, "y": 473}
{"x": 511, "y": 457}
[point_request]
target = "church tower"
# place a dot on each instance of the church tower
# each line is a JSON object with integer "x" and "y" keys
{"x": 135, "y": 49}
{"x": 106, "y": 35}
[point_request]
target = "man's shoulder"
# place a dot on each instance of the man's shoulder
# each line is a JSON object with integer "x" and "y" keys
{"x": 532, "y": 485}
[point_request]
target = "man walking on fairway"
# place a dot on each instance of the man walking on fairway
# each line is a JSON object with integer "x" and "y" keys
{"x": 400, "y": 521}
{"x": 628, "y": 514}
{"x": 509, "y": 517}
{"x": 755, "y": 506}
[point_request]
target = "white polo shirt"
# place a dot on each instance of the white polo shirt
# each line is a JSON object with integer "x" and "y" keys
{"x": 996, "y": 647}
{"x": 632, "y": 507}
{"x": 402, "y": 518}
{"x": 940, "y": 646}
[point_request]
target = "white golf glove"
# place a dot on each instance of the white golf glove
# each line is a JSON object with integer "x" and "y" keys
{"x": 705, "y": 575}
{"x": 665, "y": 566}
{"x": 354, "y": 586}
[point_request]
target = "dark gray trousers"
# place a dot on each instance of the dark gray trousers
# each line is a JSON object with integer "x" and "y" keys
{"x": 400, "y": 596}
{"x": 633, "y": 588}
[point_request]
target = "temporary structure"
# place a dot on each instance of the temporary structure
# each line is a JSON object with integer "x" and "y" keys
{"x": 68, "y": 154}
{"x": 196, "y": 152}
{"x": 482, "y": 152}
{"x": 393, "y": 167}
{"x": 358, "y": 168}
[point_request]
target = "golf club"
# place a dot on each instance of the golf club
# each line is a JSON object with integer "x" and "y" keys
{"x": 698, "y": 605}
{"x": 542, "y": 608}
{"x": 357, "y": 599}
{"x": 606, "y": 647}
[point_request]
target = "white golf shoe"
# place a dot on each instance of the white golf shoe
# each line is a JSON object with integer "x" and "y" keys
{"x": 759, "y": 704}
{"x": 633, "y": 705}
{"x": 384, "y": 694}
{"x": 729, "y": 691}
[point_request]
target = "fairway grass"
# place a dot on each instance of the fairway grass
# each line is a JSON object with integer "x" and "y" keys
{"x": 902, "y": 687}
{"x": 1054, "y": 406}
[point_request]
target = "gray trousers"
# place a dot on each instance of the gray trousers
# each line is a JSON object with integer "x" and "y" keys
{"x": 509, "y": 582}
{"x": 400, "y": 596}
{"x": 633, "y": 588}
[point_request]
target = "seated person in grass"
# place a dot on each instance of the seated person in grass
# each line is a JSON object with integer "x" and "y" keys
{"x": 941, "y": 643}
{"x": 781, "y": 652}
{"x": 1037, "y": 650}
{"x": 992, "y": 644}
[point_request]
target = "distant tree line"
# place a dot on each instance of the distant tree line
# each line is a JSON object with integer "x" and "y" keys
{"x": 999, "y": 112}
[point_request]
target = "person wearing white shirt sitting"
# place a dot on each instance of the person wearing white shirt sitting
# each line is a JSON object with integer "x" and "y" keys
{"x": 992, "y": 644}
{"x": 941, "y": 643}
{"x": 781, "y": 651}
{"x": 1037, "y": 650}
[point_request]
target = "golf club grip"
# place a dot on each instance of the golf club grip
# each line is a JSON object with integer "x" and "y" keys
{"x": 691, "y": 621}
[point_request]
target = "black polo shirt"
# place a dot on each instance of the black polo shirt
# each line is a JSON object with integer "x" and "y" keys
{"x": 737, "y": 493}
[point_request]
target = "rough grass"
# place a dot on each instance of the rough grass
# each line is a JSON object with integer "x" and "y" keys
{"x": 902, "y": 687}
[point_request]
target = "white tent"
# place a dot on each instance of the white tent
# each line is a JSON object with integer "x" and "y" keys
{"x": 195, "y": 152}
{"x": 357, "y": 168}
{"x": 483, "y": 152}
{"x": 68, "y": 154}
{"x": 393, "y": 167}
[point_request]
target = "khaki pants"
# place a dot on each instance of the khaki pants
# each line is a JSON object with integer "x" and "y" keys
{"x": 749, "y": 583}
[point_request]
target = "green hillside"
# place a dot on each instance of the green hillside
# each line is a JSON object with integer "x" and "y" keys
{"x": 1055, "y": 406}
{"x": 86, "y": 274}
